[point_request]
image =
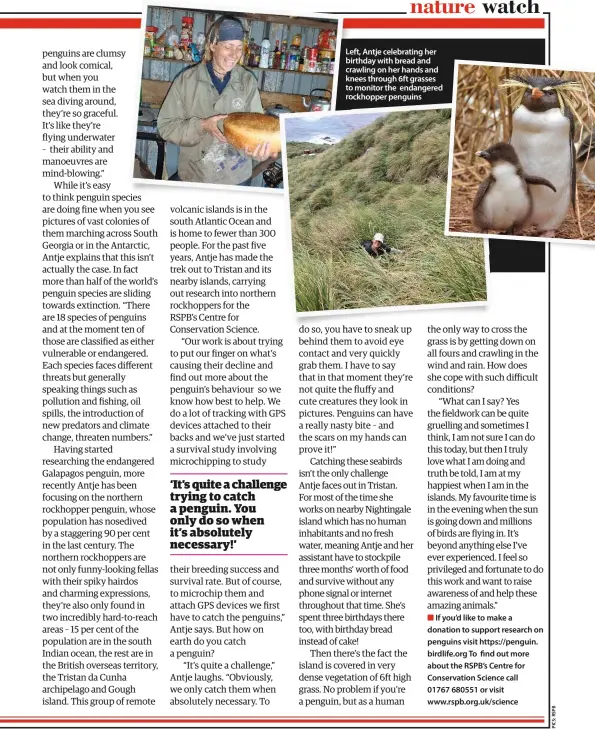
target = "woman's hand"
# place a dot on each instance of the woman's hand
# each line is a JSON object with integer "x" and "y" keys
{"x": 261, "y": 152}
{"x": 209, "y": 125}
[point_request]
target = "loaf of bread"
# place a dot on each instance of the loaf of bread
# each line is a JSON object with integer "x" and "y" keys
{"x": 246, "y": 130}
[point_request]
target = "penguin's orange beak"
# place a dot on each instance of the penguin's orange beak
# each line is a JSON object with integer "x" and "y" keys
{"x": 536, "y": 94}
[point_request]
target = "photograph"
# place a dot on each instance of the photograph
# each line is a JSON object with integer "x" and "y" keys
{"x": 522, "y": 153}
{"x": 214, "y": 83}
{"x": 367, "y": 196}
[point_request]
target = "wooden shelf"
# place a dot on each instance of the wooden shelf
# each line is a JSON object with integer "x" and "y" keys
{"x": 322, "y": 23}
{"x": 288, "y": 20}
{"x": 167, "y": 60}
{"x": 248, "y": 68}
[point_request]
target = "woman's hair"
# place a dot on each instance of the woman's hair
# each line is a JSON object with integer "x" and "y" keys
{"x": 212, "y": 35}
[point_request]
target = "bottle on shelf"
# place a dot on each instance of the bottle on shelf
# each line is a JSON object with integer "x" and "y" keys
{"x": 304, "y": 59}
{"x": 277, "y": 60}
{"x": 313, "y": 60}
{"x": 245, "y": 50}
{"x": 283, "y": 58}
{"x": 265, "y": 53}
{"x": 292, "y": 58}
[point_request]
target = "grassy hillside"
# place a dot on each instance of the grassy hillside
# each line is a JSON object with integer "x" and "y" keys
{"x": 297, "y": 148}
{"x": 388, "y": 177}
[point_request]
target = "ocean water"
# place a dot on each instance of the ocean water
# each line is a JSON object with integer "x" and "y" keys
{"x": 323, "y": 128}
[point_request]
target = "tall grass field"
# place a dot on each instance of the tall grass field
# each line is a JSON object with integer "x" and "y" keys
{"x": 388, "y": 177}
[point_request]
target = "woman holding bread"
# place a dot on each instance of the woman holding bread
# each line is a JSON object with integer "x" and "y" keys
{"x": 200, "y": 98}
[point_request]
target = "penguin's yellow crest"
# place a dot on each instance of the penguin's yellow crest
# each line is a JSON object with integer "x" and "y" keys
{"x": 564, "y": 90}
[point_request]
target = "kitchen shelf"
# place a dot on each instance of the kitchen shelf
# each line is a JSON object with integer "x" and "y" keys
{"x": 167, "y": 60}
{"x": 248, "y": 68}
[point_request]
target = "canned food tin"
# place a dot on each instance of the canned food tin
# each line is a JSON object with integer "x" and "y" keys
{"x": 323, "y": 39}
{"x": 150, "y": 33}
{"x": 187, "y": 28}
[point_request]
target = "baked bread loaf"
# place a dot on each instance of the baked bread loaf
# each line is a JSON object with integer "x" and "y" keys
{"x": 245, "y": 130}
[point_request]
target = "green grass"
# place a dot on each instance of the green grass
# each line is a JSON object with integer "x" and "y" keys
{"x": 295, "y": 149}
{"x": 339, "y": 198}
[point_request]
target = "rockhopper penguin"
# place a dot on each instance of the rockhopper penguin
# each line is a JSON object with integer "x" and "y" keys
{"x": 504, "y": 201}
{"x": 543, "y": 137}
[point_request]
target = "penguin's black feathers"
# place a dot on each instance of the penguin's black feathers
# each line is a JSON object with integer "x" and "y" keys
{"x": 481, "y": 191}
{"x": 532, "y": 180}
{"x": 570, "y": 116}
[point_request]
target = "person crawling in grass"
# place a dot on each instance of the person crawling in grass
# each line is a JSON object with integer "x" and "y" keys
{"x": 377, "y": 247}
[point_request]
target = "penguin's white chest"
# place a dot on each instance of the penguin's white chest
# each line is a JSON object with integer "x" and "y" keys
{"x": 507, "y": 202}
{"x": 542, "y": 142}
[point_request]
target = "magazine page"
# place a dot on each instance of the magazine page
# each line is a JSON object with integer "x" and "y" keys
{"x": 296, "y": 373}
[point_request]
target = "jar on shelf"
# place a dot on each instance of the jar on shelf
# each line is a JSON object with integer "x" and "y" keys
{"x": 325, "y": 56}
{"x": 297, "y": 40}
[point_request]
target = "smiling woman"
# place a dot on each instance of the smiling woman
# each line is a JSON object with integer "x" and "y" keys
{"x": 201, "y": 98}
